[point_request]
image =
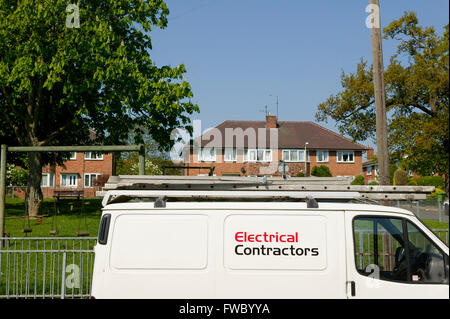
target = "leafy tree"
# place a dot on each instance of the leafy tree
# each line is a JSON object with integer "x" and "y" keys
{"x": 417, "y": 99}
{"x": 16, "y": 176}
{"x": 359, "y": 180}
{"x": 321, "y": 171}
{"x": 58, "y": 82}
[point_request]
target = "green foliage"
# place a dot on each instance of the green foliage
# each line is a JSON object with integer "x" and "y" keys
{"x": 359, "y": 180}
{"x": 372, "y": 183}
{"x": 300, "y": 174}
{"x": 153, "y": 166}
{"x": 400, "y": 177}
{"x": 56, "y": 82}
{"x": 417, "y": 98}
{"x": 16, "y": 176}
{"x": 436, "y": 181}
{"x": 321, "y": 171}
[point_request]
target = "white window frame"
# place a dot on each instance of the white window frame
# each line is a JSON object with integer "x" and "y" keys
{"x": 228, "y": 152}
{"x": 48, "y": 180}
{"x": 300, "y": 158}
{"x": 74, "y": 157}
{"x": 253, "y": 152}
{"x": 323, "y": 152}
{"x": 250, "y": 155}
{"x": 70, "y": 180}
{"x": 205, "y": 155}
{"x": 340, "y": 154}
{"x": 369, "y": 170}
{"x": 97, "y": 157}
{"x": 90, "y": 179}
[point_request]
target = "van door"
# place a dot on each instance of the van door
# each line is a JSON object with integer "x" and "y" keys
{"x": 390, "y": 256}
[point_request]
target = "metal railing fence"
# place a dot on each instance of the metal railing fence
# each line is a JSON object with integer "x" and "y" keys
{"x": 46, "y": 267}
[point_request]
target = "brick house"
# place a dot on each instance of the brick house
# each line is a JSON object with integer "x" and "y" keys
{"x": 370, "y": 167}
{"x": 83, "y": 171}
{"x": 252, "y": 148}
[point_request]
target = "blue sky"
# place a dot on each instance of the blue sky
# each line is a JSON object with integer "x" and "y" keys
{"x": 238, "y": 52}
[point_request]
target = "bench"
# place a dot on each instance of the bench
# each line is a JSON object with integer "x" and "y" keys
{"x": 67, "y": 194}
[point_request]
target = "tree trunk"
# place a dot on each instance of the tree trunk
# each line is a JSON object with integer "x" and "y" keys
{"x": 34, "y": 193}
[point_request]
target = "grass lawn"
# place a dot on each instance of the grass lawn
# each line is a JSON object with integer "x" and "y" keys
{"x": 68, "y": 221}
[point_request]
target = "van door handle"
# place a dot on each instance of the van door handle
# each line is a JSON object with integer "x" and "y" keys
{"x": 353, "y": 288}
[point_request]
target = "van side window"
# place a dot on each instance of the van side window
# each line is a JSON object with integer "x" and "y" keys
{"x": 379, "y": 248}
{"x": 427, "y": 262}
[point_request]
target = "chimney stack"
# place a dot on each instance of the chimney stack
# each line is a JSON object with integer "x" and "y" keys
{"x": 370, "y": 153}
{"x": 271, "y": 121}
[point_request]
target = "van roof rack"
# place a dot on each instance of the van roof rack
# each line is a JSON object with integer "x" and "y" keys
{"x": 124, "y": 187}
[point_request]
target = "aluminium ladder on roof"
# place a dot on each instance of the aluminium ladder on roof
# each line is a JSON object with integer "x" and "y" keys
{"x": 215, "y": 187}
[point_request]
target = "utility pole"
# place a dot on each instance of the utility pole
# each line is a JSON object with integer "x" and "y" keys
{"x": 380, "y": 106}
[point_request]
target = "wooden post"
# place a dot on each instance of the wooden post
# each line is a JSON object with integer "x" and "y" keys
{"x": 142, "y": 160}
{"x": 380, "y": 107}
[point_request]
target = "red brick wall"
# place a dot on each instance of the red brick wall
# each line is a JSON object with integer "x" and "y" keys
{"x": 337, "y": 169}
{"x": 80, "y": 167}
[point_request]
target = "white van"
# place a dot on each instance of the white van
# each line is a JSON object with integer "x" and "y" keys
{"x": 256, "y": 249}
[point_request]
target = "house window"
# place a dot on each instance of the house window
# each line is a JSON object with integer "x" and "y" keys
{"x": 294, "y": 155}
{"x": 73, "y": 156}
{"x": 48, "y": 180}
{"x": 89, "y": 179}
{"x": 322, "y": 156}
{"x": 250, "y": 155}
{"x": 369, "y": 170}
{"x": 207, "y": 155}
{"x": 257, "y": 155}
{"x": 69, "y": 180}
{"x": 230, "y": 154}
{"x": 345, "y": 157}
{"x": 93, "y": 156}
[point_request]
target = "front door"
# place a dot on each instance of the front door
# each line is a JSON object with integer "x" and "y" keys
{"x": 391, "y": 257}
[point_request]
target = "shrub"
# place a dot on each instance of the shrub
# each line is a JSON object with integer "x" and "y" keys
{"x": 373, "y": 183}
{"x": 300, "y": 174}
{"x": 321, "y": 171}
{"x": 400, "y": 177}
{"x": 392, "y": 169}
{"x": 359, "y": 180}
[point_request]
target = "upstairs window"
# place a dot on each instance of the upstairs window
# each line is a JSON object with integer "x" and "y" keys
{"x": 93, "y": 156}
{"x": 73, "y": 156}
{"x": 369, "y": 170}
{"x": 345, "y": 157}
